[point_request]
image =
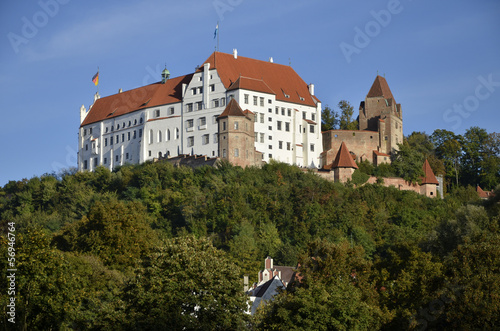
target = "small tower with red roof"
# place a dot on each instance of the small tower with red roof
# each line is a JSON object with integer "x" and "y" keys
{"x": 429, "y": 184}
{"x": 343, "y": 166}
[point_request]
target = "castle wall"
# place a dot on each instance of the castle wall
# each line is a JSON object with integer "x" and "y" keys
{"x": 361, "y": 143}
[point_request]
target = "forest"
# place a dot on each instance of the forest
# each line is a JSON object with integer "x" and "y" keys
{"x": 155, "y": 247}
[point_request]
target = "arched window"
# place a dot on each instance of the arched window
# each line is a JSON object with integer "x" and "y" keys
{"x": 159, "y": 155}
{"x": 176, "y": 133}
{"x": 168, "y": 134}
{"x": 151, "y": 136}
{"x": 140, "y": 121}
{"x": 159, "y": 136}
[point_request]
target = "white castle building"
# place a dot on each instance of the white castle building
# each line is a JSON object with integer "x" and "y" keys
{"x": 180, "y": 116}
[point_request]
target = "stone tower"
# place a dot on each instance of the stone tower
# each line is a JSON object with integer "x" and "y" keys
{"x": 380, "y": 112}
{"x": 343, "y": 166}
{"x": 237, "y": 136}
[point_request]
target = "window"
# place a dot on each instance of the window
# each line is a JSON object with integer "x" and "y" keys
{"x": 168, "y": 134}
{"x": 287, "y": 126}
{"x": 270, "y": 110}
{"x": 135, "y": 134}
{"x": 312, "y": 147}
{"x": 255, "y": 100}
{"x": 107, "y": 129}
{"x": 216, "y": 138}
{"x": 85, "y": 164}
{"x": 277, "y": 110}
{"x": 151, "y": 136}
{"x": 171, "y": 110}
{"x": 289, "y": 112}
{"x": 140, "y": 133}
{"x": 105, "y": 142}
{"x": 105, "y": 160}
{"x": 190, "y": 141}
{"x": 304, "y": 115}
{"x": 176, "y": 133}
{"x": 159, "y": 136}
{"x": 270, "y": 156}
{"x": 246, "y": 99}
{"x": 84, "y": 132}
{"x": 224, "y": 126}
{"x": 288, "y": 146}
{"x": 224, "y": 153}
{"x": 203, "y": 121}
{"x": 261, "y": 137}
{"x": 118, "y": 126}
{"x": 193, "y": 91}
{"x": 212, "y": 88}
{"x": 270, "y": 128}
{"x": 313, "y": 116}
{"x": 149, "y": 153}
{"x": 270, "y": 146}
{"x": 190, "y": 124}
{"x": 256, "y": 117}
{"x": 116, "y": 158}
{"x": 112, "y": 128}
{"x": 86, "y": 147}
{"x": 157, "y": 113}
{"x": 205, "y": 139}
{"x": 123, "y": 137}
{"x": 311, "y": 128}
{"x": 200, "y": 89}
{"x": 126, "y": 156}
{"x": 135, "y": 121}
{"x": 236, "y": 125}
{"x": 140, "y": 121}
{"x": 279, "y": 125}
{"x": 269, "y": 119}
{"x": 269, "y": 101}
{"x": 90, "y": 131}
{"x": 95, "y": 162}
{"x": 129, "y": 123}
{"x": 222, "y": 102}
{"x": 261, "y": 118}
{"x": 261, "y": 101}
{"x": 280, "y": 144}
{"x": 270, "y": 137}
{"x": 199, "y": 105}
{"x": 128, "y": 136}
{"x": 236, "y": 152}
{"x": 189, "y": 107}
{"x": 216, "y": 103}
{"x": 111, "y": 140}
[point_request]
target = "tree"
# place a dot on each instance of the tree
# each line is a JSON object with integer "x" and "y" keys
{"x": 186, "y": 285}
{"x": 329, "y": 119}
{"x": 407, "y": 163}
{"x": 449, "y": 149}
{"x": 346, "y": 111}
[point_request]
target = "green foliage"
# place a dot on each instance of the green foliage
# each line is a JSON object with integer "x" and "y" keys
{"x": 407, "y": 163}
{"x": 359, "y": 178}
{"x": 188, "y": 284}
{"x": 346, "y": 111}
{"x": 329, "y": 119}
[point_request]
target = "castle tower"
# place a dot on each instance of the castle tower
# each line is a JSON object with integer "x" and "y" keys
{"x": 343, "y": 166}
{"x": 429, "y": 184}
{"x": 237, "y": 136}
{"x": 381, "y": 107}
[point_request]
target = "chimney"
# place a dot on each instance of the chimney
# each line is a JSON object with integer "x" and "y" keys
{"x": 96, "y": 96}
{"x": 245, "y": 283}
{"x": 120, "y": 90}
{"x": 235, "y": 53}
{"x": 268, "y": 263}
{"x": 271, "y": 59}
{"x": 311, "y": 89}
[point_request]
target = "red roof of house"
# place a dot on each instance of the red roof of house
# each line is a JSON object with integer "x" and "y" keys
{"x": 153, "y": 95}
{"x": 232, "y": 109}
{"x": 429, "y": 177}
{"x": 280, "y": 79}
{"x": 379, "y": 153}
{"x": 344, "y": 158}
{"x": 380, "y": 88}
{"x": 251, "y": 84}
{"x": 484, "y": 194}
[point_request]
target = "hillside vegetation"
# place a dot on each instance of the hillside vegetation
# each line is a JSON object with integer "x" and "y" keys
{"x": 153, "y": 247}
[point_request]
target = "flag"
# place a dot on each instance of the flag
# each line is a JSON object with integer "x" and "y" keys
{"x": 95, "y": 79}
{"x": 216, "y": 30}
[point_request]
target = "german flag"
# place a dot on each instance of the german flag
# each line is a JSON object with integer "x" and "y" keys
{"x": 95, "y": 79}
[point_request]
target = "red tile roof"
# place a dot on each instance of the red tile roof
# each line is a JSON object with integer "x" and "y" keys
{"x": 344, "y": 158}
{"x": 379, "y": 153}
{"x": 251, "y": 84}
{"x": 380, "y": 88}
{"x": 232, "y": 109}
{"x": 429, "y": 177}
{"x": 153, "y": 95}
{"x": 281, "y": 79}
{"x": 484, "y": 194}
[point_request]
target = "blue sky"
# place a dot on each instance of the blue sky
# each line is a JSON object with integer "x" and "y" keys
{"x": 440, "y": 58}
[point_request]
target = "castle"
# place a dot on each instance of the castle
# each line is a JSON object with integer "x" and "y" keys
{"x": 243, "y": 110}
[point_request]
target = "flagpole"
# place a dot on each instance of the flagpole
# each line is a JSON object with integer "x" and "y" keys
{"x": 97, "y": 80}
{"x": 218, "y": 32}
